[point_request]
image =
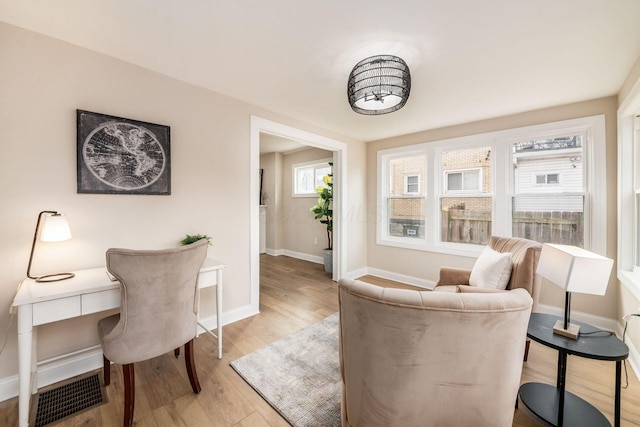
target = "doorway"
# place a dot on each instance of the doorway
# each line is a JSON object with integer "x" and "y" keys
{"x": 339, "y": 149}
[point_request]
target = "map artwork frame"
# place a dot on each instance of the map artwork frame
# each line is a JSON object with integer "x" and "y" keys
{"x": 122, "y": 156}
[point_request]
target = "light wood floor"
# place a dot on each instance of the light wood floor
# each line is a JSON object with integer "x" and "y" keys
{"x": 293, "y": 295}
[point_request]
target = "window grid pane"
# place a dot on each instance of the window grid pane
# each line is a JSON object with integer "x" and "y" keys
{"x": 544, "y": 208}
{"x": 406, "y": 214}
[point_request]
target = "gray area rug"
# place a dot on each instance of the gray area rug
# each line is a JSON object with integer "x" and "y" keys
{"x": 299, "y": 375}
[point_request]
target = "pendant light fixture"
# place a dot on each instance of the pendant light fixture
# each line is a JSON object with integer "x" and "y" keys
{"x": 379, "y": 85}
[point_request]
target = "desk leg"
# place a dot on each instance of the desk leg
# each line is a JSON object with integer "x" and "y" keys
{"x": 617, "y": 401}
{"x": 25, "y": 362}
{"x": 219, "y": 310}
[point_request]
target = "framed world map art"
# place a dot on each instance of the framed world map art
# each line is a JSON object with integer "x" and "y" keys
{"x": 122, "y": 156}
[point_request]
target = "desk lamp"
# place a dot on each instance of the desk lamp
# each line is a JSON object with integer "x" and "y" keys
{"x": 574, "y": 270}
{"x": 55, "y": 228}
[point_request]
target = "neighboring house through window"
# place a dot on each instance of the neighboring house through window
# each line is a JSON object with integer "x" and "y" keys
{"x": 527, "y": 182}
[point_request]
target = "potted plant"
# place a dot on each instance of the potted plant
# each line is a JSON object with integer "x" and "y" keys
{"x": 323, "y": 211}
{"x": 192, "y": 238}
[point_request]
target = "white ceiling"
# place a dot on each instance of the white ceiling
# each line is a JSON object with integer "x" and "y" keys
{"x": 469, "y": 59}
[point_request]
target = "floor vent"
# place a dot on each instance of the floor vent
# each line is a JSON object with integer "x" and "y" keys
{"x": 68, "y": 399}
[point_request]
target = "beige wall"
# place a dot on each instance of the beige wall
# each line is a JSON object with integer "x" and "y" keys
{"x": 425, "y": 265}
{"x": 272, "y": 198}
{"x": 42, "y": 83}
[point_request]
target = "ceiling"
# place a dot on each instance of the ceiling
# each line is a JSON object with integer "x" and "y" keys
{"x": 469, "y": 59}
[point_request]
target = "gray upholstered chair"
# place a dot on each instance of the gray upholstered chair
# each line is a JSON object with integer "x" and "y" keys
{"x": 158, "y": 311}
{"x": 525, "y": 255}
{"x": 420, "y": 358}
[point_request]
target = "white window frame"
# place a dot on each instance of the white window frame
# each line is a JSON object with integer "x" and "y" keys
{"x": 406, "y": 184}
{"x": 594, "y": 158}
{"x": 464, "y": 190}
{"x": 314, "y": 164}
{"x": 628, "y": 186}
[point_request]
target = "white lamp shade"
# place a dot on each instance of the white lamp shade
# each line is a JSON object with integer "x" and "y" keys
{"x": 575, "y": 269}
{"x": 55, "y": 228}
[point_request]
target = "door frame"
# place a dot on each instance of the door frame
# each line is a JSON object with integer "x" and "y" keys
{"x": 260, "y": 125}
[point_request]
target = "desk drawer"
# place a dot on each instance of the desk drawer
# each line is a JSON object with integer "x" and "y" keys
{"x": 207, "y": 279}
{"x": 100, "y": 301}
{"x": 57, "y": 309}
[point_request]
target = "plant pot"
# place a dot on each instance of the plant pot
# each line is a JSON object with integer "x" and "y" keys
{"x": 328, "y": 260}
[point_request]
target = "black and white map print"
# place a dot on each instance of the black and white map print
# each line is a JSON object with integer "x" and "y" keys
{"x": 122, "y": 156}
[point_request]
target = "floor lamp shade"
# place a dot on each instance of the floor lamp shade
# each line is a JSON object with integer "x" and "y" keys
{"x": 574, "y": 270}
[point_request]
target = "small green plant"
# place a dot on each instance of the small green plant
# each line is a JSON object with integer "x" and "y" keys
{"x": 192, "y": 238}
{"x": 323, "y": 210}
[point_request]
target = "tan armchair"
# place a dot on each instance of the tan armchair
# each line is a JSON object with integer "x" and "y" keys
{"x": 158, "y": 311}
{"x": 525, "y": 255}
{"x": 421, "y": 358}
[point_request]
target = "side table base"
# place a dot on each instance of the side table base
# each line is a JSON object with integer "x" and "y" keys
{"x": 542, "y": 400}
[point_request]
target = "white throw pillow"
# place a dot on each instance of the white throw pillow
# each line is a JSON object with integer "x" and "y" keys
{"x": 491, "y": 270}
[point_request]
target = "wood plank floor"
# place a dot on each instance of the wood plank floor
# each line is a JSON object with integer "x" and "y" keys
{"x": 293, "y": 295}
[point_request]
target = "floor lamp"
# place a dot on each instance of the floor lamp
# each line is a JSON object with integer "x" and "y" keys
{"x": 55, "y": 228}
{"x": 574, "y": 270}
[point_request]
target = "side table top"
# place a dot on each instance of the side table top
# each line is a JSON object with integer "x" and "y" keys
{"x": 593, "y": 343}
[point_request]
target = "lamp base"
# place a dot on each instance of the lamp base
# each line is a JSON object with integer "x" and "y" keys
{"x": 55, "y": 277}
{"x": 572, "y": 331}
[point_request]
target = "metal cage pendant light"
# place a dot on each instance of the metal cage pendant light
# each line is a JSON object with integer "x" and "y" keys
{"x": 379, "y": 85}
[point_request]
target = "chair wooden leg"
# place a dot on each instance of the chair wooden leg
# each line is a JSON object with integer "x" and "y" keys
{"x": 526, "y": 349}
{"x": 176, "y": 352}
{"x": 106, "y": 370}
{"x": 129, "y": 394}
{"x": 191, "y": 367}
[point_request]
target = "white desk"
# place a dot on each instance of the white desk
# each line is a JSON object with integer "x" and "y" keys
{"x": 90, "y": 291}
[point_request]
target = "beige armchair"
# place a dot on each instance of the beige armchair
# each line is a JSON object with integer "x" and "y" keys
{"x": 158, "y": 311}
{"x": 420, "y": 358}
{"x": 525, "y": 255}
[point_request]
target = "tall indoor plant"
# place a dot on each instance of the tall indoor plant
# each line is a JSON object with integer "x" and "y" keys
{"x": 323, "y": 211}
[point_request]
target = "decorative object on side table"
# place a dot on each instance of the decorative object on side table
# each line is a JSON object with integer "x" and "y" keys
{"x": 55, "y": 228}
{"x": 574, "y": 270}
{"x": 192, "y": 238}
{"x": 122, "y": 156}
{"x": 323, "y": 211}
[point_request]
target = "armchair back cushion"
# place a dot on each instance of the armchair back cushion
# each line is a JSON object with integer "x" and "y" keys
{"x": 158, "y": 310}
{"x": 525, "y": 255}
{"x": 420, "y": 358}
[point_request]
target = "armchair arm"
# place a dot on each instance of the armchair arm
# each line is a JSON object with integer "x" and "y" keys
{"x": 450, "y": 276}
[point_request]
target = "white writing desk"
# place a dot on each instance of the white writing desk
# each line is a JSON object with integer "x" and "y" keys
{"x": 90, "y": 291}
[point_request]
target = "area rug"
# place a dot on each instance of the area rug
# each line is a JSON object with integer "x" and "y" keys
{"x": 299, "y": 375}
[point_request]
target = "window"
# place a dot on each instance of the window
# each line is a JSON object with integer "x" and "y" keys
{"x": 309, "y": 176}
{"x": 403, "y": 198}
{"x": 412, "y": 184}
{"x": 544, "y": 182}
{"x": 543, "y": 209}
{"x": 549, "y": 178}
{"x": 466, "y": 200}
{"x": 628, "y": 256}
{"x": 468, "y": 180}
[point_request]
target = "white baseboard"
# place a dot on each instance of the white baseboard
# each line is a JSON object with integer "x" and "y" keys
{"x": 597, "y": 321}
{"x": 293, "y": 254}
{"x": 89, "y": 359}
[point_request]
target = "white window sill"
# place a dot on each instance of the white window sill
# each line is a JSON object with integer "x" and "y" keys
{"x": 631, "y": 281}
{"x": 460, "y": 249}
